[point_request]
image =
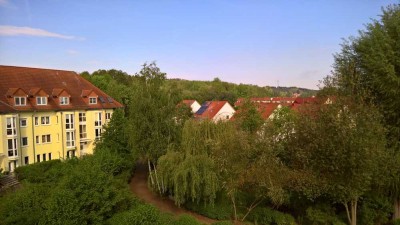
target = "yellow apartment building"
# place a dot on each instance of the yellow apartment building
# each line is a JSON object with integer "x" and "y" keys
{"x": 49, "y": 114}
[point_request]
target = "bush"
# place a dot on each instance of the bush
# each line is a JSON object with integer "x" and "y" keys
{"x": 142, "y": 214}
{"x": 267, "y": 216}
{"x": 223, "y": 223}
{"x": 375, "y": 209}
{"x": 322, "y": 216}
{"x": 218, "y": 211}
{"x": 186, "y": 220}
{"x": 44, "y": 172}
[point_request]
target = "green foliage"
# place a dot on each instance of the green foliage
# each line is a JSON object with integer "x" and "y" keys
{"x": 223, "y": 223}
{"x": 266, "y": 216}
{"x": 25, "y": 206}
{"x": 45, "y": 172}
{"x": 375, "y": 209}
{"x": 322, "y": 216}
{"x": 248, "y": 117}
{"x": 141, "y": 214}
{"x": 186, "y": 220}
{"x": 219, "y": 210}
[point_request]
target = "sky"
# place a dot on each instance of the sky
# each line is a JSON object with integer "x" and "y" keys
{"x": 267, "y": 43}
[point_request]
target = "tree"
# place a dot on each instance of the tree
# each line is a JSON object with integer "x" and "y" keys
{"x": 343, "y": 145}
{"x": 248, "y": 117}
{"x": 368, "y": 67}
{"x": 152, "y": 124}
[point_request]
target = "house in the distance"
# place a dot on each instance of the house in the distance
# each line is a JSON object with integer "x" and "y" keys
{"x": 193, "y": 104}
{"x": 215, "y": 111}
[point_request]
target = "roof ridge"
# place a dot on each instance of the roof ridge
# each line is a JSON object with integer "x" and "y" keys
{"x": 37, "y": 68}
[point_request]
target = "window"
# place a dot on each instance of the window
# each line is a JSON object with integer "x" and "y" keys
{"x": 36, "y": 121}
{"x": 97, "y": 119}
{"x": 82, "y": 117}
{"x": 38, "y": 158}
{"x": 82, "y": 131}
{"x": 69, "y": 121}
{"x": 20, "y": 101}
{"x": 92, "y": 100}
{"x": 46, "y": 138}
{"x": 49, "y": 156}
{"x": 23, "y": 122}
{"x": 41, "y": 100}
{"x": 12, "y": 147}
{"x": 26, "y": 160}
{"x": 70, "y": 139}
{"x": 108, "y": 116}
{"x": 11, "y": 126}
{"x": 24, "y": 141}
{"x": 64, "y": 100}
{"x": 97, "y": 132}
{"x": 37, "y": 140}
{"x": 44, "y": 157}
{"x": 45, "y": 120}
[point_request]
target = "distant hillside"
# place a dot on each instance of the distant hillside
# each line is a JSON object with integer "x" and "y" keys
{"x": 220, "y": 90}
{"x": 117, "y": 84}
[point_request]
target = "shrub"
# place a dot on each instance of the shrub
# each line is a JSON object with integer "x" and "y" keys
{"x": 142, "y": 214}
{"x": 267, "y": 216}
{"x": 44, "y": 172}
{"x": 322, "y": 216}
{"x": 218, "y": 211}
{"x": 186, "y": 220}
{"x": 223, "y": 223}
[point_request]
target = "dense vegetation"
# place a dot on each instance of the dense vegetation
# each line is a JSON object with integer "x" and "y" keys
{"x": 335, "y": 163}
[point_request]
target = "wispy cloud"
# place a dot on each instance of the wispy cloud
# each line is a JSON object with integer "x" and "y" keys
{"x": 29, "y": 31}
{"x": 72, "y": 52}
{"x": 7, "y": 4}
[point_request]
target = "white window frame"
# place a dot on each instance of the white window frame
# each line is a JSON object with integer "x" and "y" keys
{"x": 14, "y": 146}
{"x": 97, "y": 133}
{"x": 19, "y": 102}
{"x": 82, "y": 131}
{"x": 37, "y": 139}
{"x": 23, "y": 120}
{"x": 11, "y": 124}
{"x": 82, "y": 117}
{"x": 22, "y": 141}
{"x": 64, "y": 100}
{"x": 45, "y": 120}
{"x": 46, "y": 139}
{"x": 41, "y": 100}
{"x": 108, "y": 116}
{"x": 69, "y": 121}
{"x": 70, "y": 139}
{"x": 36, "y": 121}
{"x": 92, "y": 100}
{"x": 97, "y": 119}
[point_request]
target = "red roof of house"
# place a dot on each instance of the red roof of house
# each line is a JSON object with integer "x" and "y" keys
{"x": 188, "y": 102}
{"x": 209, "y": 109}
{"x": 23, "y": 81}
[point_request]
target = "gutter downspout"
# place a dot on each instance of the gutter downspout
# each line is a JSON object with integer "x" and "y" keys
{"x": 33, "y": 138}
{"x": 62, "y": 135}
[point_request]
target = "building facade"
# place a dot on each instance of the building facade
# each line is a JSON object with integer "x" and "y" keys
{"x": 49, "y": 114}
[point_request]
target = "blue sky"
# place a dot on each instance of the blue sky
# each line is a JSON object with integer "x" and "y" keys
{"x": 248, "y": 41}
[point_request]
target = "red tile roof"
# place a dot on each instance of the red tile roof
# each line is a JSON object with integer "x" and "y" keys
{"x": 209, "y": 109}
{"x": 188, "y": 102}
{"x": 31, "y": 81}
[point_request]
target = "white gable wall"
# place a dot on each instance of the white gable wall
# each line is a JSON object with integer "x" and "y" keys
{"x": 195, "y": 106}
{"x": 225, "y": 113}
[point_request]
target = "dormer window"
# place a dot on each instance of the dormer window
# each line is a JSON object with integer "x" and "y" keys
{"x": 20, "y": 101}
{"x": 41, "y": 100}
{"x": 64, "y": 101}
{"x": 92, "y": 100}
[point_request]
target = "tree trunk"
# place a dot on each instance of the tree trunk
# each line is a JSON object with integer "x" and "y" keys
{"x": 347, "y": 212}
{"x": 354, "y": 212}
{"x": 396, "y": 204}
{"x": 158, "y": 183}
{"x": 151, "y": 176}
{"x": 234, "y": 207}
{"x": 251, "y": 207}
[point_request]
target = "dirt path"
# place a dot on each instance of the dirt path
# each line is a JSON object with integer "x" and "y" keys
{"x": 138, "y": 186}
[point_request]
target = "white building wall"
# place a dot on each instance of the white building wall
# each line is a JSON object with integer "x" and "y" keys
{"x": 225, "y": 113}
